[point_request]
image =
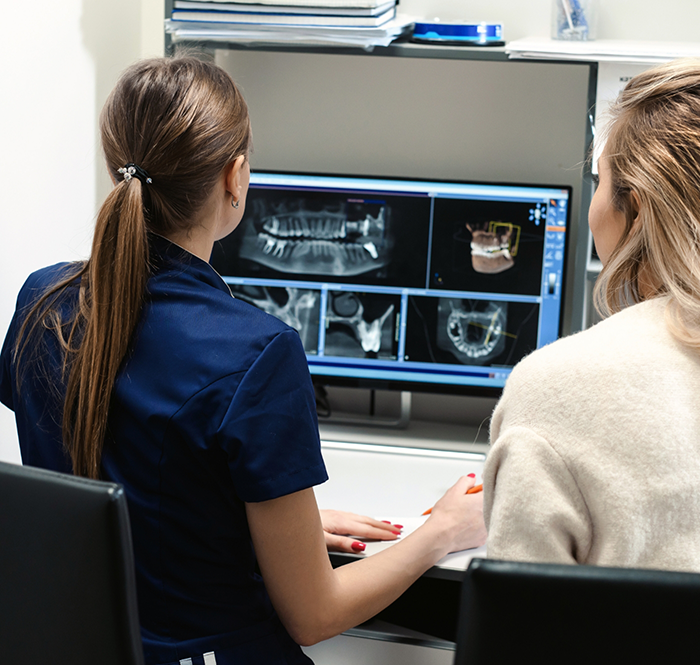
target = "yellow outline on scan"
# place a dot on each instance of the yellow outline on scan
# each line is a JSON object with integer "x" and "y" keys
{"x": 512, "y": 246}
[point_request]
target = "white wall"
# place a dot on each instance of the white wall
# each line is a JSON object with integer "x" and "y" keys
{"x": 58, "y": 68}
{"x": 60, "y": 59}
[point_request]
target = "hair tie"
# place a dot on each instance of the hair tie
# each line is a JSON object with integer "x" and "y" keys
{"x": 131, "y": 170}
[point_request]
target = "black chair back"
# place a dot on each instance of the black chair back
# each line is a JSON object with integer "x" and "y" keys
{"x": 67, "y": 588}
{"x": 515, "y": 612}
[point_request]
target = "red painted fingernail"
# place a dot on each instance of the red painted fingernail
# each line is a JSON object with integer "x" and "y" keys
{"x": 358, "y": 547}
{"x": 398, "y": 533}
{"x": 399, "y": 526}
{"x": 471, "y": 475}
{"x": 386, "y": 521}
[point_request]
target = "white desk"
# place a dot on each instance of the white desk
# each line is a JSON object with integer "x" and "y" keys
{"x": 396, "y": 483}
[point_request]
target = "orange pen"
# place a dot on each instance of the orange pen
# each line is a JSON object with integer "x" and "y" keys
{"x": 471, "y": 490}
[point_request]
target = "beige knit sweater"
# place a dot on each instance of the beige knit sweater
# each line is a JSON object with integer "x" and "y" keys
{"x": 595, "y": 453}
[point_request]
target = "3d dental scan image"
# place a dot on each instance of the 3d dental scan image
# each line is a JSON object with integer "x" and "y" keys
{"x": 482, "y": 246}
{"x": 494, "y": 246}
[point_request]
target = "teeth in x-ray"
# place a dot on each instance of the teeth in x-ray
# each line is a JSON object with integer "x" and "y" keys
{"x": 321, "y": 242}
{"x": 493, "y": 246}
{"x": 489, "y": 324}
{"x": 474, "y": 332}
{"x": 368, "y": 334}
{"x": 292, "y": 312}
{"x": 369, "y": 246}
{"x": 308, "y": 225}
{"x": 361, "y": 227}
{"x": 323, "y": 256}
{"x": 273, "y": 246}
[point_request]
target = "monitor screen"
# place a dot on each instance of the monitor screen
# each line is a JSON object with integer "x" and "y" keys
{"x": 395, "y": 283}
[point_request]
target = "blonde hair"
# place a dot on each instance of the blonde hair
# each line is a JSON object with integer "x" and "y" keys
{"x": 183, "y": 121}
{"x": 653, "y": 153}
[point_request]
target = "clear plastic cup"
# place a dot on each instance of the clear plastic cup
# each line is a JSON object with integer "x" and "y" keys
{"x": 574, "y": 20}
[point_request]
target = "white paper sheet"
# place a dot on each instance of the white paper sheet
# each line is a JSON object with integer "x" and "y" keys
{"x": 602, "y": 50}
{"x": 454, "y": 561}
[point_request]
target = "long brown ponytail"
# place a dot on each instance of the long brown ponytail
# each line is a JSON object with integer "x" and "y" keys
{"x": 182, "y": 121}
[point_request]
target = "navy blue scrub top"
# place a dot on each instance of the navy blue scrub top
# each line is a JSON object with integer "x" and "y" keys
{"x": 213, "y": 407}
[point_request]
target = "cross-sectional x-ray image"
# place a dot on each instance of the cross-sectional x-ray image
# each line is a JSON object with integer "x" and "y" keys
{"x": 487, "y": 246}
{"x": 470, "y": 331}
{"x": 474, "y": 332}
{"x": 362, "y": 325}
{"x": 319, "y": 237}
{"x": 298, "y": 308}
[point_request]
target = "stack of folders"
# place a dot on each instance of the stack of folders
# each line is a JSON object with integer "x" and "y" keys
{"x": 364, "y": 23}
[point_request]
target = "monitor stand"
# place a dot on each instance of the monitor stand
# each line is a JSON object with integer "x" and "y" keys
{"x": 372, "y": 420}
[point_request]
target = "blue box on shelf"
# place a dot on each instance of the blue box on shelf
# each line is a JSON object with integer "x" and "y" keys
{"x": 465, "y": 34}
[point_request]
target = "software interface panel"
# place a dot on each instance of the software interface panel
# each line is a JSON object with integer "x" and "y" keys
{"x": 403, "y": 280}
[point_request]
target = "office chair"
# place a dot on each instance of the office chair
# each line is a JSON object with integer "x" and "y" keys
{"x": 546, "y": 613}
{"x": 67, "y": 588}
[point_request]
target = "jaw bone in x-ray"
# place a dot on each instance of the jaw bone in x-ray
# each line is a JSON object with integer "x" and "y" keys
{"x": 494, "y": 246}
{"x": 339, "y": 239}
{"x": 298, "y": 308}
{"x": 473, "y": 331}
{"x": 347, "y": 309}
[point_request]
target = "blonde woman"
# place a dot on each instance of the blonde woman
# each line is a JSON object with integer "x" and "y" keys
{"x": 596, "y": 441}
{"x": 137, "y": 366}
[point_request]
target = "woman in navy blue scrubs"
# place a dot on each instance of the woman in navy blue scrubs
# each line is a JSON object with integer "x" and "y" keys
{"x": 137, "y": 366}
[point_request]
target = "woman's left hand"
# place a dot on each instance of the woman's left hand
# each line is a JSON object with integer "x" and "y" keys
{"x": 338, "y": 526}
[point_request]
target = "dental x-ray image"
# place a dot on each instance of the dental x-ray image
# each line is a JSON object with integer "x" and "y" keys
{"x": 473, "y": 332}
{"x": 491, "y": 246}
{"x": 362, "y": 325}
{"x": 320, "y": 237}
{"x": 324, "y": 236}
{"x": 298, "y": 308}
{"x": 470, "y": 331}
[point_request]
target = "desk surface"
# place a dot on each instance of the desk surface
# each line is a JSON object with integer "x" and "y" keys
{"x": 418, "y": 434}
{"x": 397, "y": 484}
{"x": 390, "y": 480}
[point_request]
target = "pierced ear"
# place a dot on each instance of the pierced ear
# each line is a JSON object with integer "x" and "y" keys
{"x": 232, "y": 176}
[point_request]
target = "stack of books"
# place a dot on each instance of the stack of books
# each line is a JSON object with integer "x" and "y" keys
{"x": 363, "y": 23}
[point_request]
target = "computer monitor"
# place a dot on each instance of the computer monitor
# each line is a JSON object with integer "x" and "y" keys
{"x": 394, "y": 283}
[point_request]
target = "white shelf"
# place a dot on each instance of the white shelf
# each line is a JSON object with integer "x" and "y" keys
{"x": 602, "y": 50}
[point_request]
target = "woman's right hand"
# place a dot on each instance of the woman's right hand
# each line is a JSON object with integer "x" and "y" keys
{"x": 460, "y": 516}
{"x": 338, "y": 525}
{"x": 315, "y": 601}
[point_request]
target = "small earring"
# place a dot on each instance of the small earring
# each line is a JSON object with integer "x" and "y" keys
{"x": 234, "y": 203}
